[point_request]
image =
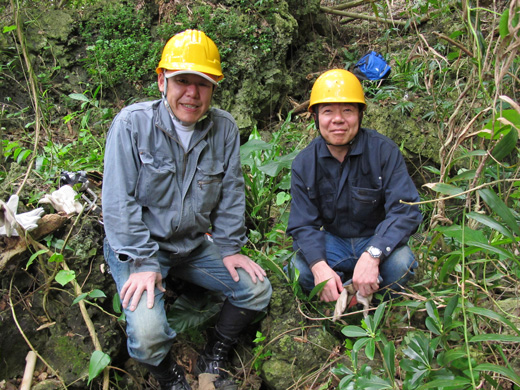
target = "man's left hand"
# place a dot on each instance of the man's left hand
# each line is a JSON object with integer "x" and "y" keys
{"x": 239, "y": 260}
{"x": 365, "y": 277}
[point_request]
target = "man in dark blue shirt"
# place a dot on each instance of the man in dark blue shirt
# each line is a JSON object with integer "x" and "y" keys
{"x": 346, "y": 219}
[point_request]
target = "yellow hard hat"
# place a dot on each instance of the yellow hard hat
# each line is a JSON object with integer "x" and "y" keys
{"x": 191, "y": 51}
{"x": 337, "y": 86}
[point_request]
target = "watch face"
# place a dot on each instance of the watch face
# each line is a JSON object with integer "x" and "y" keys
{"x": 374, "y": 252}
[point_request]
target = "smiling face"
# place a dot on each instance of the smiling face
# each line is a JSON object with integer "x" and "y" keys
{"x": 338, "y": 122}
{"x": 188, "y": 95}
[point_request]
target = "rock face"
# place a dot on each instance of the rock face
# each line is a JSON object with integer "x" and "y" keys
{"x": 296, "y": 347}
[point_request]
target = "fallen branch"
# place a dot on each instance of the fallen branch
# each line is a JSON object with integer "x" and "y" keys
{"x": 362, "y": 16}
{"x": 29, "y": 371}
{"x": 454, "y": 43}
{"x": 15, "y": 246}
{"x": 352, "y": 4}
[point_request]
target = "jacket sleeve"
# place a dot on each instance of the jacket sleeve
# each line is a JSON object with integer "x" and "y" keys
{"x": 228, "y": 218}
{"x": 304, "y": 219}
{"x": 122, "y": 215}
{"x": 401, "y": 220}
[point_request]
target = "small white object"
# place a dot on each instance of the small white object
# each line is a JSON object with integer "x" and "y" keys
{"x": 9, "y": 219}
{"x": 64, "y": 199}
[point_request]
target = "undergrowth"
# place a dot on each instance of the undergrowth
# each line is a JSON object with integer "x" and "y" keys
{"x": 458, "y": 325}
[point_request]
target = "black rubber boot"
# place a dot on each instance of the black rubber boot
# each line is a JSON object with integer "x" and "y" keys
{"x": 214, "y": 360}
{"x": 221, "y": 340}
{"x": 169, "y": 375}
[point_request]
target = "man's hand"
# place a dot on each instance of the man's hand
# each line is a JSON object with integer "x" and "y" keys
{"x": 138, "y": 283}
{"x": 331, "y": 291}
{"x": 242, "y": 261}
{"x": 365, "y": 277}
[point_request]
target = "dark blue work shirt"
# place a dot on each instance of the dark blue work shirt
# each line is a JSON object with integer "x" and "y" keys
{"x": 357, "y": 198}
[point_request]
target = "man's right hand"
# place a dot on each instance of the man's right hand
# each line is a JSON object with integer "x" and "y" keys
{"x": 322, "y": 271}
{"x": 138, "y": 283}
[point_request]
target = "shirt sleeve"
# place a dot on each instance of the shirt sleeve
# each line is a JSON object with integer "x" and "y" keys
{"x": 401, "y": 220}
{"x": 228, "y": 218}
{"x": 126, "y": 232}
{"x": 304, "y": 219}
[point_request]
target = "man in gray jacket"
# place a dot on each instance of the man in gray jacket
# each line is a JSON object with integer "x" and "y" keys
{"x": 172, "y": 173}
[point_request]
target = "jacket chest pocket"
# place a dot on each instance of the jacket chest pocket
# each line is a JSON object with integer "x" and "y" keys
{"x": 208, "y": 186}
{"x": 366, "y": 204}
{"x": 156, "y": 184}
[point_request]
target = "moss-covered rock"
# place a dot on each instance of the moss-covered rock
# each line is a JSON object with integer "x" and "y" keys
{"x": 296, "y": 346}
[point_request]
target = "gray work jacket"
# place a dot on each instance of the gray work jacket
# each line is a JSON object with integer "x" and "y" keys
{"x": 156, "y": 195}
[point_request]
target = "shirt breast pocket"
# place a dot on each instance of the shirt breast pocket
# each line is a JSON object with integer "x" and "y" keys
{"x": 366, "y": 203}
{"x": 326, "y": 201}
{"x": 156, "y": 181}
{"x": 208, "y": 186}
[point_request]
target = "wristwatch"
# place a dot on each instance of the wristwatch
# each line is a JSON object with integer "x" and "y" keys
{"x": 374, "y": 252}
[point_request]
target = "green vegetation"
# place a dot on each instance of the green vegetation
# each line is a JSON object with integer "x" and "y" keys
{"x": 459, "y": 326}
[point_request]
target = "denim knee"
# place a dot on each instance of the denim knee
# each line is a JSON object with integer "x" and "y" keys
{"x": 398, "y": 268}
{"x": 252, "y": 296}
{"x": 305, "y": 277}
{"x": 149, "y": 336}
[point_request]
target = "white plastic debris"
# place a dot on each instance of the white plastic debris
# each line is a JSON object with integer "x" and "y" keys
{"x": 64, "y": 199}
{"x": 9, "y": 219}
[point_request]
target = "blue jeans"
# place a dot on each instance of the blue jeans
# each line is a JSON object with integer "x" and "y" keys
{"x": 342, "y": 257}
{"x": 149, "y": 335}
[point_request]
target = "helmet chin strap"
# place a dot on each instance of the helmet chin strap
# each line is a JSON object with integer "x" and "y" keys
{"x": 164, "y": 99}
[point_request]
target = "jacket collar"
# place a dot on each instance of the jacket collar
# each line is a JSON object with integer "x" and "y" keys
{"x": 356, "y": 146}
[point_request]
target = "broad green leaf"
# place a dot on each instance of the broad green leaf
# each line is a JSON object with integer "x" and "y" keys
{"x": 341, "y": 370}
{"x": 7, "y": 29}
{"x": 96, "y": 294}
{"x": 500, "y": 338}
{"x": 493, "y": 249}
{"x": 498, "y": 206}
{"x": 491, "y": 223}
{"x": 446, "y": 189}
{"x": 432, "y": 326}
{"x": 317, "y": 289}
{"x": 251, "y": 146}
{"x": 513, "y": 376}
{"x": 373, "y": 383}
{"x": 370, "y": 349}
{"x": 34, "y": 256}
{"x": 446, "y": 357}
{"x": 273, "y": 168}
{"x": 56, "y": 258}
{"x": 450, "y": 307}
{"x": 116, "y": 304}
{"x": 462, "y": 234}
{"x": 432, "y": 310}
{"x": 466, "y": 175}
{"x": 354, "y": 331}
{"x": 80, "y": 297}
{"x": 389, "y": 358}
{"x": 492, "y": 315}
{"x": 506, "y": 145}
{"x": 360, "y": 343}
{"x": 456, "y": 384}
{"x": 503, "y": 24}
{"x": 79, "y": 96}
{"x": 98, "y": 361}
{"x": 63, "y": 277}
{"x": 378, "y": 315}
{"x": 192, "y": 310}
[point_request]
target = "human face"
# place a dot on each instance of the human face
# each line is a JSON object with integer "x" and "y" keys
{"x": 338, "y": 122}
{"x": 188, "y": 95}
